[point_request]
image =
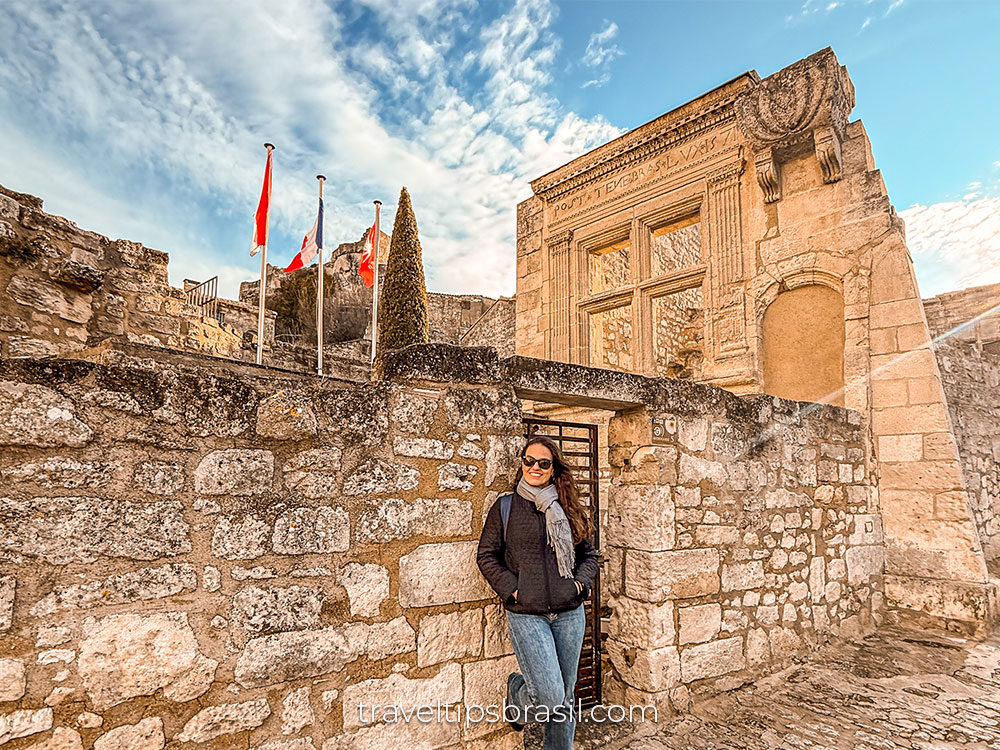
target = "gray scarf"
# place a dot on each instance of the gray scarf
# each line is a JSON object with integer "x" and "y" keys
{"x": 557, "y": 528}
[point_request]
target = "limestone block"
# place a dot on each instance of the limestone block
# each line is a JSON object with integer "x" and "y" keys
{"x": 413, "y": 412}
{"x": 286, "y": 416}
{"x": 266, "y": 610}
{"x": 8, "y": 585}
{"x": 239, "y": 538}
{"x": 52, "y": 299}
{"x": 314, "y": 472}
{"x": 283, "y": 657}
{"x": 693, "y": 470}
{"x": 866, "y": 529}
{"x": 892, "y": 448}
{"x": 864, "y": 562}
{"x": 61, "y": 530}
{"x": 211, "y": 578}
{"x": 453, "y": 476}
{"x": 378, "y": 477}
{"x": 642, "y": 517}
{"x": 65, "y": 472}
{"x": 125, "y": 656}
{"x": 143, "y": 584}
{"x": 23, "y": 723}
{"x": 367, "y": 587}
{"x": 35, "y": 415}
{"x": 502, "y": 457}
{"x": 496, "y": 634}
{"x": 712, "y": 659}
{"x": 234, "y": 471}
{"x": 651, "y": 670}
{"x": 61, "y": 739}
{"x": 394, "y": 518}
{"x": 422, "y": 448}
{"x": 473, "y": 408}
{"x": 449, "y": 636}
{"x": 485, "y": 684}
{"x": 158, "y": 478}
{"x": 12, "y": 679}
{"x": 299, "y": 743}
{"x": 658, "y": 576}
{"x": 296, "y": 712}
{"x": 401, "y": 691}
{"x": 413, "y": 735}
{"x": 817, "y": 578}
{"x": 758, "y": 647}
{"x": 303, "y": 531}
{"x": 699, "y": 623}
{"x": 89, "y": 720}
{"x": 782, "y": 498}
{"x": 146, "y": 735}
{"x": 441, "y": 574}
{"x": 642, "y": 624}
{"x": 742, "y": 576}
{"x": 693, "y": 433}
{"x": 230, "y": 718}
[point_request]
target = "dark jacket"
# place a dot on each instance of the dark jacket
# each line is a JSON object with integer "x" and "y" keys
{"x": 522, "y": 559}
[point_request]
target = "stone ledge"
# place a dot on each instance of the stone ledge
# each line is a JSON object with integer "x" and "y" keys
{"x": 964, "y": 606}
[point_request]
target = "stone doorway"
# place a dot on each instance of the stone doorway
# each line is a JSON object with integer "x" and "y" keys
{"x": 579, "y": 444}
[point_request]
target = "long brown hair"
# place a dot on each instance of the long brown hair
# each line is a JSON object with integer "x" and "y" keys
{"x": 562, "y": 477}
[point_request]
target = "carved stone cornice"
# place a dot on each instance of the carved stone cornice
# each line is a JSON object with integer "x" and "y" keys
{"x": 647, "y": 141}
{"x": 559, "y": 241}
{"x": 727, "y": 173}
{"x": 767, "y": 175}
{"x": 828, "y": 152}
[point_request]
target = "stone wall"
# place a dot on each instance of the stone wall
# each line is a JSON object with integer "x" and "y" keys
{"x": 971, "y": 378}
{"x": 743, "y": 533}
{"x": 967, "y": 314}
{"x": 238, "y": 559}
{"x": 495, "y": 328}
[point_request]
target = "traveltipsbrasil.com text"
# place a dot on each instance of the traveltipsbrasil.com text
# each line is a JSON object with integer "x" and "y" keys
{"x": 453, "y": 713}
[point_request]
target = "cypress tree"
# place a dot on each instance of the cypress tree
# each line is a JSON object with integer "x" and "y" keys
{"x": 402, "y": 305}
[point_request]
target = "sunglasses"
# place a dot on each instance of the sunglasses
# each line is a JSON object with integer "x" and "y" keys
{"x": 543, "y": 463}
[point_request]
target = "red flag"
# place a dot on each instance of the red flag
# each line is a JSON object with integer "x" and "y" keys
{"x": 367, "y": 266}
{"x": 312, "y": 243}
{"x": 263, "y": 211}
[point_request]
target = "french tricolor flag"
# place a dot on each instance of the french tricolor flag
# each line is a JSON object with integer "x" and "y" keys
{"x": 312, "y": 243}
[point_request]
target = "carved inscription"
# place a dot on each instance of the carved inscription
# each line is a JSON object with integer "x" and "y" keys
{"x": 628, "y": 179}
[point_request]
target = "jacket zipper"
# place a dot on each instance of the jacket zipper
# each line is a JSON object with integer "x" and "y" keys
{"x": 545, "y": 563}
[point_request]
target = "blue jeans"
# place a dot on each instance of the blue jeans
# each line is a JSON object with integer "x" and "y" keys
{"x": 548, "y": 651}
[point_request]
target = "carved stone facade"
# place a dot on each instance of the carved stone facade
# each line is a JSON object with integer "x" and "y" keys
{"x": 694, "y": 245}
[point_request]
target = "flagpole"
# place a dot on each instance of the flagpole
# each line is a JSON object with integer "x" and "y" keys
{"x": 319, "y": 288}
{"x": 263, "y": 280}
{"x": 378, "y": 206}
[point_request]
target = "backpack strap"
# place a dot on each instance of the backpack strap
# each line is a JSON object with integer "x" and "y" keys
{"x": 505, "y": 512}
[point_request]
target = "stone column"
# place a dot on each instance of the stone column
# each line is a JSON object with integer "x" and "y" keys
{"x": 728, "y": 324}
{"x": 560, "y": 303}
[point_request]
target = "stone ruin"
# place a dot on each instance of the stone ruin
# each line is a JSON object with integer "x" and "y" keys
{"x": 199, "y": 552}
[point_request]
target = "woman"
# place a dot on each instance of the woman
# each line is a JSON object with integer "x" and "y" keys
{"x": 542, "y": 564}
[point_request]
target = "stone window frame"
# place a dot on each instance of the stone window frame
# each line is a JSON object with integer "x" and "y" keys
{"x": 638, "y": 229}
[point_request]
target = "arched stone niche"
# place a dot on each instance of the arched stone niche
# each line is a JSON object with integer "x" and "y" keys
{"x": 802, "y": 345}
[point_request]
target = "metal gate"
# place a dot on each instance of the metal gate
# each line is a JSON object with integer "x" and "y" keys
{"x": 578, "y": 443}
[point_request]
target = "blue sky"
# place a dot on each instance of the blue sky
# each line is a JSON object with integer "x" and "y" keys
{"x": 146, "y": 120}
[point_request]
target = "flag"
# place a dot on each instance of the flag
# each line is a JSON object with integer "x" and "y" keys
{"x": 367, "y": 265}
{"x": 263, "y": 211}
{"x": 312, "y": 243}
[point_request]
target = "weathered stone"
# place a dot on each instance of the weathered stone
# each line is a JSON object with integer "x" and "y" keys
{"x": 712, "y": 659}
{"x": 139, "y": 585}
{"x": 304, "y": 531}
{"x": 658, "y": 576}
{"x": 454, "y": 476}
{"x": 159, "y": 478}
{"x": 39, "y": 416}
{"x": 238, "y": 538}
{"x": 296, "y": 713}
{"x": 260, "y": 610}
{"x": 449, "y": 636}
{"x": 211, "y": 578}
{"x": 367, "y": 587}
{"x": 256, "y": 573}
{"x": 485, "y": 684}
{"x": 441, "y": 574}
{"x": 693, "y": 433}
{"x": 66, "y": 472}
{"x": 864, "y": 563}
{"x": 272, "y": 659}
{"x": 8, "y": 585}
{"x": 23, "y": 723}
{"x": 422, "y": 448}
{"x": 699, "y": 623}
{"x": 12, "y": 679}
{"x": 146, "y": 735}
{"x": 651, "y": 670}
{"x": 61, "y": 530}
{"x": 412, "y": 735}
{"x": 496, "y": 634}
{"x": 642, "y": 517}
{"x": 230, "y": 718}
{"x": 400, "y": 519}
{"x": 647, "y": 625}
{"x": 286, "y": 416}
{"x": 126, "y": 656}
{"x": 502, "y": 458}
{"x": 88, "y": 720}
{"x": 397, "y": 690}
{"x": 413, "y": 412}
{"x": 49, "y": 298}
{"x": 376, "y": 477}
{"x": 314, "y": 473}
{"x": 741, "y": 576}
{"x": 473, "y": 409}
{"x": 300, "y": 743}
{"x": 234, "y": 471}
{"x": 693, "y": 470}
{"x": 61, "y": 739}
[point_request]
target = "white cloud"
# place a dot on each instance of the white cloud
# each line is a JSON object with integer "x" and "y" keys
{"x": 954, "y": 244}
{"x": 157, "y": 112}
{"x": 600, "y": 53}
